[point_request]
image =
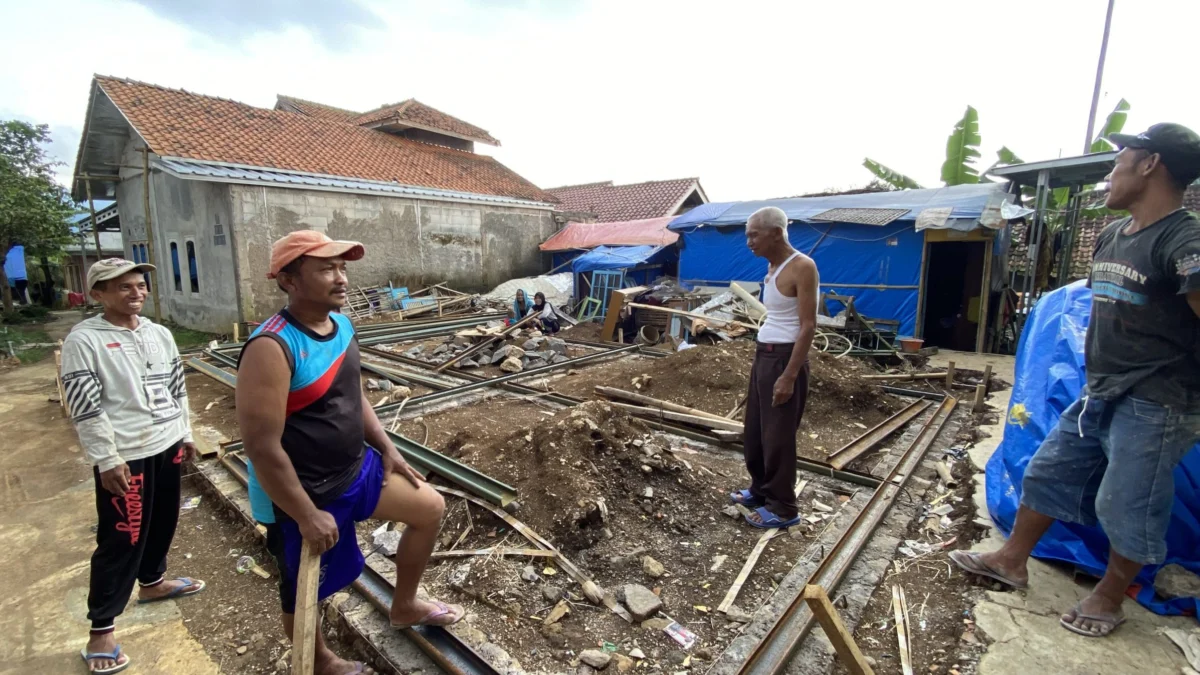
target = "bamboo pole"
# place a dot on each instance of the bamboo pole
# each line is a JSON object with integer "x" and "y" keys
{"x": 611, "y": 392}
{"x": 154, "y": 283}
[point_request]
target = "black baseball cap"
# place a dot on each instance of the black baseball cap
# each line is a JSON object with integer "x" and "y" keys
{"x": 1176, "y": 145}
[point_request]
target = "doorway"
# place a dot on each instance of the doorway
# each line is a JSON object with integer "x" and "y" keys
{"x": 954, "y": 302}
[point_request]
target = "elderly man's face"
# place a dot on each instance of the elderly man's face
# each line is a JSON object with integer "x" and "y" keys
{"x": 759, "y": 238}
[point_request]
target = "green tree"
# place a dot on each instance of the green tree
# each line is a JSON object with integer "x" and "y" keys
{"x": 33, "y": 208}
{"x": 962, "y": 149}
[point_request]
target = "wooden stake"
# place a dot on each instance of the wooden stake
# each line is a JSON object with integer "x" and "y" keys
{"x": 980, "y": 395}
{"x": 950, "y": 375}
{"x": 841, "y": 639}
{"x": 901, "y": 614}
{"x": 308, "y": 618}
{"x": 237, "y": 332}
{"x": 987, "y": 379}
{"x": 694, "y": 420}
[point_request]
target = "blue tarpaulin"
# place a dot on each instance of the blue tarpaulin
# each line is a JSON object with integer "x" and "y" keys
{"x": 849, "y": 257}
{"x": 618, "y": 257}
{"x": 1049, "y": 377}
{"x": 14, "y": 265}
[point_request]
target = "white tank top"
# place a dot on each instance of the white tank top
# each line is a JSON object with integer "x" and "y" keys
{"x": 783, "y": 317}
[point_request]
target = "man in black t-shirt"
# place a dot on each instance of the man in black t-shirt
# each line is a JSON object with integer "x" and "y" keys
{"x": 1111, "y": 457}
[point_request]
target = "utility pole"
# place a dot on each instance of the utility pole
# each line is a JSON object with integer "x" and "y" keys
{"x": 1087, "y": 142}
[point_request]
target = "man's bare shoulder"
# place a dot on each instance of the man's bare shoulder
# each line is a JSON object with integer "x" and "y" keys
{"x": 264, "y": 356}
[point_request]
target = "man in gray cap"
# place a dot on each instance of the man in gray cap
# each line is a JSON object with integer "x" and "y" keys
{"x": 123, "y": 381}
{"x": 1111, "y": 457}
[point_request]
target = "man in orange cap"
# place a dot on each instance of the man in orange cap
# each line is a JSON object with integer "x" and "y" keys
{"x": 320, "y": 459}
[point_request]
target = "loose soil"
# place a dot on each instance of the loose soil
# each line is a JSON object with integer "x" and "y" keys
{"x": 234, "y": 610}
{"x": 222, "y": 415}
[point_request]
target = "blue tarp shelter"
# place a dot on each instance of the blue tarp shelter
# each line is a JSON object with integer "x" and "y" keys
{"x": 14, "y": 265}
{"x": 643, "y": 264}
{"x": 879, "y": 265}
{"x": 1049, "y": 377}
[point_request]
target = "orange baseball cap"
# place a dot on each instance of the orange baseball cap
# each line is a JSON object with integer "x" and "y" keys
{"x": 308, "y": 242}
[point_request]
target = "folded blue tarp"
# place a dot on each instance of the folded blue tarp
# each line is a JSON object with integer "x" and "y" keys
{"x": 1049, "y": 377}
{"x": 619, "y": 257}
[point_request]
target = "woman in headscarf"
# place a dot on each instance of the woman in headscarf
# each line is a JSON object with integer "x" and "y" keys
{"x": 520, "y": 307}
{"x": 546, "y": 319}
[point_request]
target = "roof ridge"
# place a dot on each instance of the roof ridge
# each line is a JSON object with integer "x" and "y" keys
{"x": 385, "y": 106}
{"x": 179, "y": 90}
{"x": 607, "y": 183}
{"x": 316, "y": 103}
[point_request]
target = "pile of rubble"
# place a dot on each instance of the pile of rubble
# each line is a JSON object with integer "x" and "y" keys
{"x": 493, "y": 345}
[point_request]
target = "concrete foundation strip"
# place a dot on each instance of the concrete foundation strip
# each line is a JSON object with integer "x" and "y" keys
{"x": 772, "y": 654}
{"x": 864, "y": 443}
{"x": 591, "y": 590}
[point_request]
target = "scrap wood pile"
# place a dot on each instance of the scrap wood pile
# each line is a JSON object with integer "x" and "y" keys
{"x": 387, "y": 303}
{"x": 513, "y": 348}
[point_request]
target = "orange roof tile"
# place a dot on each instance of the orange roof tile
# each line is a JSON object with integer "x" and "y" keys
{"x": 318, "y": 110}
{"x": 636, "y": 201}
{"x": 413, "y": 111}
{"x": 178, "y": 123}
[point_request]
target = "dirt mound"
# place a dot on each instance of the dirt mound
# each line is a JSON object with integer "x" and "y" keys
{"x": 579, "y": 468}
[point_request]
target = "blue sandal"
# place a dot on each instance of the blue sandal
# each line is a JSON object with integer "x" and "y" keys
{"x": 770, "y": 521}
{"x": 745, "y": 498}
{"x": 114, "y": 656}
{"x": 181, "y": 592}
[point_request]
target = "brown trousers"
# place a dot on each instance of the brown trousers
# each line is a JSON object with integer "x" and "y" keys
{"x": 770, "y": 435}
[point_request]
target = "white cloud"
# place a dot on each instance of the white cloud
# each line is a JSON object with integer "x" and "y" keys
{"x": 761, "y": 100}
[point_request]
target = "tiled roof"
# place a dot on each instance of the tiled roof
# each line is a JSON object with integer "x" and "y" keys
{"x": 637, "y": 201}
{"x": 177, "y": 123}
{"x": 318, "y": 110}
{"x": 413, "y": 111}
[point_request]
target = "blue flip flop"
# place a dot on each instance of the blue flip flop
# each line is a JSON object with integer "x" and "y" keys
{"x": 770, "y": 521}
{"x": 745, "y": 498}
{"x": 180, "y": 592}
{"x": 114, "y": 656}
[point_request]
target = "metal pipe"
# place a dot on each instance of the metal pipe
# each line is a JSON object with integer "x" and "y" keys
{"x": 772, "y": 654}
{"x": 1087, "y": 142}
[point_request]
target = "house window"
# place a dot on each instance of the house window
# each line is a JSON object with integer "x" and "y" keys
{"x": 218, "y": 233}
{"x": 175, "y": 267}
{"x": 192, "y": 272}
{"x": 138, "y": 250}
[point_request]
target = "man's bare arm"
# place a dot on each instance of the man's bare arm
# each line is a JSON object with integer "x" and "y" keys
{"x": 806, "y": 305}
{"x": 262, "y": 390}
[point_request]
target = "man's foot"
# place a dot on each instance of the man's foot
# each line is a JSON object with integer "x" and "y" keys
{"x": 328, "y": 663}
{"x": 764, "y": 519}
{"x": 104, "y": 644}
{"x": 1094, "y": 616}
{"x": 425, "y": 613}
{"x": 993, "y": 566}
{"x": 170, "y": 588}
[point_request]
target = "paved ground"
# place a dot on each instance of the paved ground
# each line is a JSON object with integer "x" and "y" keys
{"x": 1024, "y": 624}
{"x": 47, "y": 511}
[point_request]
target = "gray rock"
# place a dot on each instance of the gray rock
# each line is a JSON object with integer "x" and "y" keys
{"x": 559, "y": 358}
{"x": 529, "y": 574}
{"x": 641, "y": 601}
{"x": 532, "y": 344}
{"x": 499, "y": 356}
{"x": 652, "y": 567}
{"x": 552, "y": 593}
{"x": 737, "y": 614}
{"x": 441, "y": 349}
{"x": 414, "y": 351}
{"x": 677, "y": 657}
{"x": 388, "y": 541}
{"x": 462, "y": 341}
{"x": 731, "y": 511}
{"x": 512, "y": 365}
{"x": 595, "y": 658}
{"x": 484, "y": 357}
{"x": 372, "y": 384}
{"x": 556, "y": 345}
{"x": 1174, "y": 581}
{"x": 466, "y": 363}
{"x": 534, "y": 363}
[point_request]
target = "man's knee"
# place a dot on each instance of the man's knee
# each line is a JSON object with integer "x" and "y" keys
{"x": 430, "y": 508}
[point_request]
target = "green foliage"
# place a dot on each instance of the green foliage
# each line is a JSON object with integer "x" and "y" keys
{"x": 21, "y": 337}
{"x": 1006, "y": 157}
{"x": 962, "y": 148}
{"x": 895, "y": 179}
{"x": 1112, "y": 125}
{"x": 186, "y": 338}
{"x": 33, "y": 208}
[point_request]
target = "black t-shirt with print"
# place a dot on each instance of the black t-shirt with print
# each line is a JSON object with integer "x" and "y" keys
{"x": 1144, "y": 338}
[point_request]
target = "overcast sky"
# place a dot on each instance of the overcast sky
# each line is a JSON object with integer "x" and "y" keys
{"x": 757, "y": 99}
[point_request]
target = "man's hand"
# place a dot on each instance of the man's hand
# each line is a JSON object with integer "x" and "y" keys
{"x": 785, "y": 386}
{"x": 393, "y": 463}
{"x": 116, "y": 479}
{"x": 190, "y": 452}
{"x": 320, "y": 529}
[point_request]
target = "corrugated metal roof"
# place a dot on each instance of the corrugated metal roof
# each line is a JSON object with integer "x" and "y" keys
{"x": 229, "y": 173}
{"x": 860, "y": 215}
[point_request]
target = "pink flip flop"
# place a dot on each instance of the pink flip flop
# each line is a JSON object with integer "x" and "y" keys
{"x": 444, "y": 615}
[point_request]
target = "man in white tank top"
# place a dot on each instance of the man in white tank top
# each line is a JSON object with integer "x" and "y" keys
{"x": 779, "y": 378}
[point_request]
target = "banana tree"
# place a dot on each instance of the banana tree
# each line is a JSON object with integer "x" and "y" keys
{"x": 962, "y": 148}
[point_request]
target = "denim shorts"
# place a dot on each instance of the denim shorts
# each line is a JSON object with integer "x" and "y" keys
{"x": 1111, "y": 463}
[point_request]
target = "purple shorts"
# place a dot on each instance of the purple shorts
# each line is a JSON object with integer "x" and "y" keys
{"x": 342, "y": 564}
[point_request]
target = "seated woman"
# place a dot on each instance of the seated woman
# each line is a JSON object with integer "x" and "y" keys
{"x": 547, "y": 320}
{"x": 520, "y": 307}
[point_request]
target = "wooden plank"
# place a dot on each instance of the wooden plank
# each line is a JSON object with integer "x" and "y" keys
{"x": 841, "y": 639}
{"x": 531, "y": 552}
{"x": 695, "y": 420}
{"x": 906, "y": 376}
{"x": 950, "y": 375}
{"x": 308, "y": 615}
{"x": 899, "y": 612}
{"x": 616, "y": 302}
{"x": 987, "y": 378}
{"x": 980, "y": 397}
{"x": 752, "y": 560}
{"x": 612, "y": 392}
{"x": 693, "y": 315}
{"x": 857, "y": 447}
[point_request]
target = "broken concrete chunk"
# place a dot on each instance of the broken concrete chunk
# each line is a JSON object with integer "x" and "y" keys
{"x": 552, "y": 593}
{"x": 717, "y": 561}
{"x": 559, "y": 358}
{"x": 636, "y": 653}
{"x": 388, "y": 541}
{"x": 656, "y": 625}
{"x": 556, "y": 345}
{"x": 648, "y": 493}
{"x": 529, "y": 574}
{"x": 466, "y": 363}
{"x": 511, "y": 365}
{"x": 624, "y": 663}
{"x": 595, "y": 658}
{"x": 641, "y": 601}
{"x": 731, "y": 511}
{"x": 737, "y": 614}
{"x": 441, "y": 349}
{"x": 462, "y": 341}
{"x": 1174, "y": 581}
{"x": 414, "y": 351}
{"x": 532, "y": 344}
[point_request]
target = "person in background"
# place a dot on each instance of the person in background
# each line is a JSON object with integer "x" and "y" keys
{"x": 123, "y": 381}
{"x": 779, "y": 376}
{"x": 546, "y": 320}
{"x": 1110, "y": 459}
{"x": 520, "y": 307}
{"x": 306, "y": 423}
